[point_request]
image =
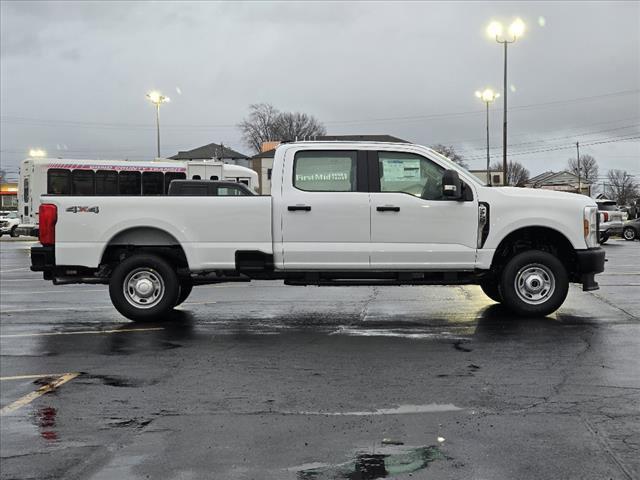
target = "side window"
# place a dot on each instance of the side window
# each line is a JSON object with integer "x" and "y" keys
{"x": 325, "y": 171}
{"x": 169, "y": 176}
{"x": 82, "y": 182}
{"x": 58, "y": 181}
{"x": 106, "y": 182}
{"x": 410, "y": 173}
{"x": 152, "y": 183}
{"x": 195, "y": 177}
{"x": 25, "y": 190}
{"x": 213, "y": 177}
{"x": 194, "y": 191}
{"x": 129, "y": 183}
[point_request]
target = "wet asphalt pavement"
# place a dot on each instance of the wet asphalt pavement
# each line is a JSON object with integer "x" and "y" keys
{"x": 263, "y": 381}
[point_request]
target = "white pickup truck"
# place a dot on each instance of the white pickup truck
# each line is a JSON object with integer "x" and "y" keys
{"x": 340, "y": 213}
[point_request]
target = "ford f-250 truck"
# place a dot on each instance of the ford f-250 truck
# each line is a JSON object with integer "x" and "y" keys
{"x": 339, "y": 213}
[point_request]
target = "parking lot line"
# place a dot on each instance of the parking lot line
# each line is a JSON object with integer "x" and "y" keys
{"x": 24, "y": 310}
{"x": 56, "y": 291}
{"x": 82, "y": 332}
{"x": 30, "y": 397}
{"x": 26, "y": 377}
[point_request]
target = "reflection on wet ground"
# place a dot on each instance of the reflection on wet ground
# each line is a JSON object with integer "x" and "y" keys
{"x": 385, "y": 461}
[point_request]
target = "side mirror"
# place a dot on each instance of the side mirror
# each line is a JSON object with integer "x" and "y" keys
{"x": 451, "y": 185}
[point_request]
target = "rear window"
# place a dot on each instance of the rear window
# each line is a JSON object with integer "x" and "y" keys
{"x": 607, "y": 207}
{"x": 129, "y": 183}
{"x": 82, "y": 182}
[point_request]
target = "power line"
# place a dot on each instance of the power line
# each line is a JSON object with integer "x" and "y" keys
{"x": 116, "y": 125}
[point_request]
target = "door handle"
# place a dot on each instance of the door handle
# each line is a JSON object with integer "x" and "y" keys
{"x": 304, "y": 208}
{"x": 388, "y": 209}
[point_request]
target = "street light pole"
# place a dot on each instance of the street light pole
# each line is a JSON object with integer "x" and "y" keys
{"x": 157, "y": 99}
{"x": 579, "y": 173}
{"x": 158, "y": 126}
{"x": 516, "y": 29}
{"x": 487, "y": 96}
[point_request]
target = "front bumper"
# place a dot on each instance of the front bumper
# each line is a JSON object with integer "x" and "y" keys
{"x": 590, "y": 262}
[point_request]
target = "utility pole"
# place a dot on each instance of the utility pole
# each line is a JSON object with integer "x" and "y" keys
{"x": 579, "y": 177}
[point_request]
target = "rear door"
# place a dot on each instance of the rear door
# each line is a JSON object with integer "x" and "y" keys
{"x": 412, "y": 226}
{"x": 325, "y": 210}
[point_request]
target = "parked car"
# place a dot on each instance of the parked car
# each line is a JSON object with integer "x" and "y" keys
{"x": 631, "y": 230}
{"x": 9, "y": 223}
{"x": 203, "y": 188}
{"x": 339, "y": 213}
{"x": 611, "y": 219}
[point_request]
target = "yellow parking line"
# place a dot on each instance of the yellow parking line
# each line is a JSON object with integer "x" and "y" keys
{"x": 83, "y": 332}
{"x": 25, "y": 377}
{"x": 30, "y": 397}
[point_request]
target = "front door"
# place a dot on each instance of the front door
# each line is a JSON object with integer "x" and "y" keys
{"x": 325, "y": 217}
{"x": 412, "y": 226}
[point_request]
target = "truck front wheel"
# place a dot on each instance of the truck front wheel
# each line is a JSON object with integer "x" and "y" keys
{"x": 185, "y": 291}
{"x": 144, "y": 287}
{"x": 534, "y": 284}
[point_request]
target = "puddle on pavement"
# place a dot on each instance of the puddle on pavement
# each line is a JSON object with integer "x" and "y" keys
{"x": 384, "y": 462}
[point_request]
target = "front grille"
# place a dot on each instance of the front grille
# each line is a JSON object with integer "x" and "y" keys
{"x": 4, "y": 224}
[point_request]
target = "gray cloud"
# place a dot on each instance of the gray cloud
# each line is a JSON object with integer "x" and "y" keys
{"x": 350, "y": 64}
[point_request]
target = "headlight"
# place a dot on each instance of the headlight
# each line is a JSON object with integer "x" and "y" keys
{"x": 590, "y": 226}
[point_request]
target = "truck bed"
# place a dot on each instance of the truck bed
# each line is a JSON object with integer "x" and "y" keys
{"x": 209, "y": 229}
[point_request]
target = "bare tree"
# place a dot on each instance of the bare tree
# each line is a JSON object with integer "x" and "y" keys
{"x": 266, "y": 123}
{"x": 260, "y": 125}
{"x": 588, "y": 168}
{"x": 450, "y": 152}
{"x": 621, "y": 187}
{"x": 298, "y": 126}
{"x": 517, "y": 174}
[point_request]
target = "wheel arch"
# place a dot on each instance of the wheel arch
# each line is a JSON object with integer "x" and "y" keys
{"x": 145, "y": 239}
{"x": 539, "y": 238}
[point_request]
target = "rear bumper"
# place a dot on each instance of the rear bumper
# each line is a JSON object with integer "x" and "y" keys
{"x": 590, "y": 262}
{"x": 43, "y": 259}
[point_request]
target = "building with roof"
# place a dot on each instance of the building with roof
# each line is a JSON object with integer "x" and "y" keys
{"x": 262, "y": 162}
{"x": 214, "y": 151}
{"x": 562, "y": 181}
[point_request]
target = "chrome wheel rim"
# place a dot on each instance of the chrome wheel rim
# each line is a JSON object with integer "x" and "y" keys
{"x": 143, "y": 288}
{"x": 535, "y": 284}
{"x": 629, "y": 234}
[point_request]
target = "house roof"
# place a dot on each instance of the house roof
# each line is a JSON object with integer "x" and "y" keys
{"x": 206, "y": 152}
{"x": 339, "y": 138}
{"x": 555, "y": 178}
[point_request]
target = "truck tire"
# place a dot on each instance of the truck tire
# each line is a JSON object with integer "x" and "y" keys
{"x": 185, "y": 291}
{"x": 491, "y": 289}
{"x": 144, "y": 287}
{"x": 629, "y": 234}
{"x": 603, "y": 238}
{"x": 13, "y": 233}
{"x": 534, "y": 284}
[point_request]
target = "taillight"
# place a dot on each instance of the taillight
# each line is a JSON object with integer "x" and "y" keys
{"x": 605, "y": 216}
{"x": 48, "y": 214}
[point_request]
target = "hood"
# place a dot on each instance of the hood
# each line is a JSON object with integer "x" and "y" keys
{"x": 541, "y": 193}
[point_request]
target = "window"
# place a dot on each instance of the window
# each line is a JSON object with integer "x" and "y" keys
{"x": 269, "y": 172}
{"x": 82, "y": 182}
{"x": 169, "y": 176}
{"x": 194, "y": 190}
{"x": 25, "y": 189}
{"x": 129, "y": 183}
{"x": 410, "y": 173}
{"x": 106, "y": 182}
{"x": 325, "y": 171}
{"x": 213, "y": 177}
{"x": 496, "y": 179}
{"x": 230, "y": 191}
{"x": 152, "y": 183}
{"x": 58, "y": 181}
{"x": 195, "y": 177}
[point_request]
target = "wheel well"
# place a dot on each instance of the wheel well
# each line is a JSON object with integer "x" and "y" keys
{"x": 147, "y": 240}
{"x": 536, "y": 238}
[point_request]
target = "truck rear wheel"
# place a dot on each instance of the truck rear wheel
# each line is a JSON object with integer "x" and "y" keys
{"x": 491, "y": 289}
{"x": 534, "y": 284}
{"x": 144, "y": 287}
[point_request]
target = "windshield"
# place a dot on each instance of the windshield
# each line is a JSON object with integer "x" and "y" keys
{"x": 10, "y": 215}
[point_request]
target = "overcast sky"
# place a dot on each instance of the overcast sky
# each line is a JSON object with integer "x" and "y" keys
{"x": 74, "y": 75}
